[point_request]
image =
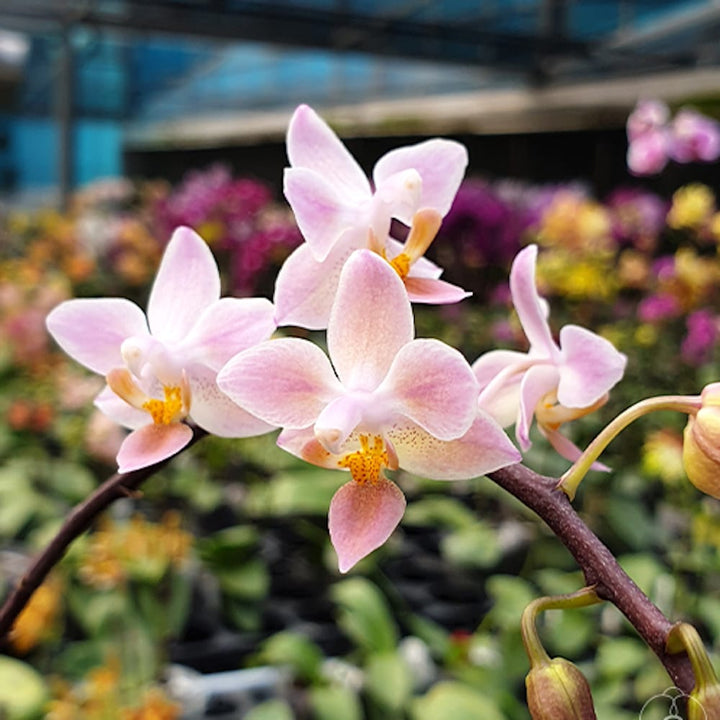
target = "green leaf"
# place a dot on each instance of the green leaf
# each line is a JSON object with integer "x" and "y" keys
{"x": 621, "y": 657}
{"x": 364, "y": 615}
{"x": 473, "y": 546}
{"x": 296, "y": 492}
{"x": 270, "y": 710}
{"x": 249, "y": 581}
{"x": 455, "y": 701}
{"x": 439, "y": 510}
{"x": 388, "y": 681}
{"x": 511, "y": 595}
{"x": 23, "y": 692}
{"x": 294, "y": 650}
{"x": 334, "y": 702}
{"x": 632, "y": 523}
{"x": 229, "y": 546}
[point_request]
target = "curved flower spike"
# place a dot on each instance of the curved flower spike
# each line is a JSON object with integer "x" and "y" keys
{"x": 161, "y": 370}
{"x": 391, "y": 401}
{"x": 338, "y": 213}
{"x": 555, "y": 383}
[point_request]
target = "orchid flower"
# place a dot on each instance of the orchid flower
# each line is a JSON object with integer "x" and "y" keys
{"x": 649, "y": 138}
{"x": 161, "y": 370}
{"x": 395, "y": 402}
{"x": 555, "y": 383}
{"x": 338, "y": 212}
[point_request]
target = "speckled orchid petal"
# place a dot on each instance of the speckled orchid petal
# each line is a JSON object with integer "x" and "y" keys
{"x": 482, "y": 449}
{"x": 371, "y": 320}
{"x": 303, "y": 444}
{"x": 92, "y": 330}
{"x": 150, "y": 444}
{"x": 433, "y": 385}
{"x": 362, "y": 518}
{"x": 305, "y": 288}
{"x": 313, "y": 145}
{"x": 285, "y": 382}
{"x": 187, "y": 282}
{"x": 215, "y": 412}
{"x": 441, "y": 165}
{"x": 531, "y": 308}
{"x": 225, "y": 328}
{"x": 590, "y": 367}
{"x": 537, "y": 382}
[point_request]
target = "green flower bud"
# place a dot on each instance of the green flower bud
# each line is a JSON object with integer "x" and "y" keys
{"x": 701, "y": 445}
{"x": 557, "y": 690}
{"x": 704, "y": 702}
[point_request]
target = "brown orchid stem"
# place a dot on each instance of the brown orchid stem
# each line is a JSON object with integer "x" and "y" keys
{"x": 599, "y": 566}
{"x": 76, "y": 523}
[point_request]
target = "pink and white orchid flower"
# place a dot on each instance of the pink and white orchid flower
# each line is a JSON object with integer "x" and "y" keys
{"x": 338, "y": 212}
{"x": 555, "y": 383}
{"x": 395, "y": 402}
{"x": 161, "y": 370}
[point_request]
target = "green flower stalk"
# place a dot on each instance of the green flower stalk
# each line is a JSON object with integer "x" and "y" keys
{"x": 704, "y": 700}
{"x": 690, "y": 404}
{"x": 556, "y": 689}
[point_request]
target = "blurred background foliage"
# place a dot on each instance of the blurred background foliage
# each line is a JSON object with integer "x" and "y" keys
{"x": 223, "y": 560}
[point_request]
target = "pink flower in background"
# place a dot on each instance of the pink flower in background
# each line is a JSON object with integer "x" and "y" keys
{"x": 648, "y": 137}
{"x": 555, "y": 383}
{"x": 702, "y": 334}
{"x": 695, "y": 137}
{"x": 338, "y": 212}
{"x": 653, "y": 139}
{"x": 161, "y": 370}
{"x": 658, "y": 307}
{"x": 394, "y": 402}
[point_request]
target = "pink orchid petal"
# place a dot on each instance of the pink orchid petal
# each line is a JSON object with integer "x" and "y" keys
{"x": 227, "y": 327}
{"x": 433, "y": 385}
{"x": 320, "y": 210}
{"x": 536, "y": 383}
{"x": 215, "y": 412}
{"x": 530, "y": 307}
{"x": 441, "y": 165}
{"x": 302, "y": 443}
{"x": 362, "y": 518}
{"x": 482, "y": 449}
{"x": 489, "y": 365}
{"x": 648, "y": 154}
{"x": 433, "y": 292}
{"x": 285, "y": 382}
{"x": 313, "y": 145}
{"x": 398, "y": 195}
{"x": 305, "y": 288}
{"x": 591, "y": 366}
{"x": 370, "y": 321}
{"x": 92, "y": 330}
{"x": 567, "y": 448}
{"x": 337, "y": 420}
{"x": 118, "y": 410}
{"x": 187, "y": 282}
{"x": 151, "y": 444}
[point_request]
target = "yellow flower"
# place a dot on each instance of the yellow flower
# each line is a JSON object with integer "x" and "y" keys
{"x": 156, "y": 706}
{"x": 692, "y": 207}
{"x": 662, "y": 456}
{"x": 37, "y": 620}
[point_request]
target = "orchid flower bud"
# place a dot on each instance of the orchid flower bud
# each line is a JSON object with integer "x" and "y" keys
{"x": 557, "y": 690}
{"x": 701, "y": 446}
{"x": 704, "y": 700}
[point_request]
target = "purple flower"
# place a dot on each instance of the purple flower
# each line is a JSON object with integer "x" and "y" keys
{"x": 658, "y": 307}
{"x": 695, "y": 138}
{"x": 702, "y": 334}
